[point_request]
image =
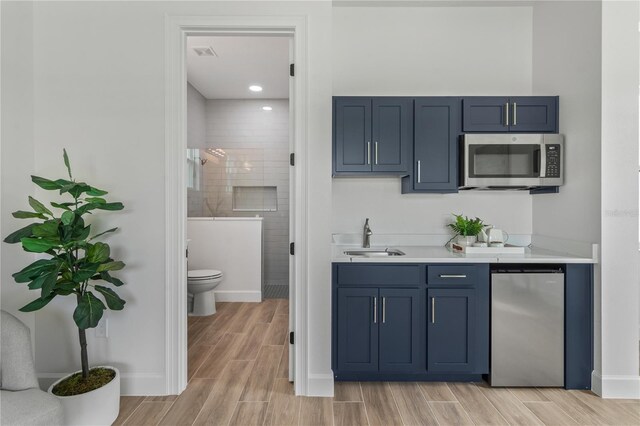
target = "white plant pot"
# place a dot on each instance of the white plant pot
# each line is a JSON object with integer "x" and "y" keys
{"x": 96, "y": 408}
{"x": 466, "y": 241}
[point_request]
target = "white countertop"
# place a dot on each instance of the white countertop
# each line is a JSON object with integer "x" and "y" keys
{"x": 439, "y": 254}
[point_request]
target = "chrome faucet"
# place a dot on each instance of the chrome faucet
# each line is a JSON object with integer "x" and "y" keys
{"x": 366, "y": 235}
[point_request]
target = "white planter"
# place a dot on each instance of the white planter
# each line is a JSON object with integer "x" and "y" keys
{"x": 96, "y": 408}
{"x": 466, "y": 241}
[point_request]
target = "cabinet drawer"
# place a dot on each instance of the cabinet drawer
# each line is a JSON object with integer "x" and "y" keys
{"x": 383, "y": 275}
{"x": 451, "y": 274}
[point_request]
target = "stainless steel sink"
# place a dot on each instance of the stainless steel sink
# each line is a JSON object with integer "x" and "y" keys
{"x": 386, "y": 252}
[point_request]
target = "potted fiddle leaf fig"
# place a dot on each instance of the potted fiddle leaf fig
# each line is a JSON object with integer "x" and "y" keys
{"x": 72, "y": 262}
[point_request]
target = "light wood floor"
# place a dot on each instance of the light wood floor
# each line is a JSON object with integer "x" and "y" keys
{"x": 238, "y": 367}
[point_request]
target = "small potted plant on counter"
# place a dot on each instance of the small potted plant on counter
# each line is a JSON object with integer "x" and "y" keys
{"x": 466, "y": 229}
{"x": 73, "y": 263}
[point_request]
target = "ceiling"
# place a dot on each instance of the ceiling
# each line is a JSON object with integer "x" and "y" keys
{"x": 241, "y": 61}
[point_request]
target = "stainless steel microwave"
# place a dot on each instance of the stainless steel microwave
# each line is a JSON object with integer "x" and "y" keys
{"x": 511, "y": 161}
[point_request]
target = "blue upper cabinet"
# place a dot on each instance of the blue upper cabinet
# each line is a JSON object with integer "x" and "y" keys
{"x": 435, "y": 148}
{"x": 352, "y": 134}
{"x": 525, "y": 114}
{"x": 372, "y": 135}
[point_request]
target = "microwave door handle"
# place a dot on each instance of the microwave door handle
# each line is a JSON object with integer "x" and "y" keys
{"x": 543, "y": 161}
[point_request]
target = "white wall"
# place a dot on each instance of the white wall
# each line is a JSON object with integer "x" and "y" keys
{"x": 98, "y": 73}
{"x": 17, "y": 150}
{"x": 409, "y": 51}
{"x": 196, "y": 118}
{"x": 566, "y": 62}
{"x": 619, "y": 376}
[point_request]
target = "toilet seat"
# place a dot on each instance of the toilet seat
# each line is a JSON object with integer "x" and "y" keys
{"x": 203, "y": 274}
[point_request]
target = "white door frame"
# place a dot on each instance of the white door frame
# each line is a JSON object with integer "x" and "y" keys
{"x": 177, "y": 28}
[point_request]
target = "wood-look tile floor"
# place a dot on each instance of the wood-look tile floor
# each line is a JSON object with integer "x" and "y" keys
{"x": 238, "y": 368}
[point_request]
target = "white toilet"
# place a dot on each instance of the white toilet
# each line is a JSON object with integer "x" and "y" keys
{"x": 200, "y": 285}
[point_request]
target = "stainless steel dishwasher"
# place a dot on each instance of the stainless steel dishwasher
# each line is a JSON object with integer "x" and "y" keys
{"x": 527, "y": 326}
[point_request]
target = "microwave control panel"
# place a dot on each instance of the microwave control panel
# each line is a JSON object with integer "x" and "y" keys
{"x": 553, "y": 161}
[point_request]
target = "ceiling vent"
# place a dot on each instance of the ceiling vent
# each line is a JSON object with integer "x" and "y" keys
{"x": 205, "y": 51}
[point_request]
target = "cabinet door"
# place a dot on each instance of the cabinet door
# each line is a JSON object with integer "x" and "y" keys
{"x": 392, "y": 134}
{"x": 401, "y": 330}
{"x": 485, "y": 114}
{"x": 450, "y": 330}
{"x": 437, "y": 126}
{"x": 358, "y": 310}
{"x": 534, "y": 114}
{"x": 352, "y": 134}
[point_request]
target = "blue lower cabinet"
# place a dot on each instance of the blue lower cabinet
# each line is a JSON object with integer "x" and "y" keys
{"x": 401, "y": 330}
{"x": 357, "y": 329}
{"x": 451, "y": 330}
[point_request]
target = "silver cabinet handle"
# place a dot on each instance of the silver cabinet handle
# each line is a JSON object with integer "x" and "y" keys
{"x": 384, "y": 310}
{"x": 375, "y": 155}
{"x": 368, "y": 152}
{"x": 515, "y": 112}
{"x": 375, "y": 310}
{"x": 452, "y": 276}
{"x": 419, "y": 172}
{"x": 506, "y": 114}
{"x": 433, "y": 310}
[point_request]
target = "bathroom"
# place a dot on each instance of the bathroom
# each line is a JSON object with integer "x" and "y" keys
{"x": 238, "y": 171}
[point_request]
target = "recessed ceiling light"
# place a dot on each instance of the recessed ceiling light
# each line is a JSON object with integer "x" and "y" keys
{"x": 266, "y": 108}
{"x": 255, "y": 88}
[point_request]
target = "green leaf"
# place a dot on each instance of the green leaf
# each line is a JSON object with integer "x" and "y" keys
{"x": 98, "y": 253}
{"x": 96, "y": 192}
{"x": 46, "y": 229}
{"x": 31, "y": 271}
{"x": 102, "y": 233}
{"x": 45, "y": 183}
{"x": 85, "y": 272}
{"x": 67, "y": 217}
{"x": 75, "y": 189}
{"x": 38, "y": 245}
{"x": 21, "y": 214}
{"x": 49, "y": 283}
{"x": 66, "y": 162}
{"x": 113, "y": 280}
{"x": 82, "y": 233}
{"x": 38, "y": 207}
{"x": 21, "y": 233}
{"x": 37, "y": 283}
{"x": 63, "y": 206}
{"x": 113, "y": 300}
{"x": 37, "y": 304}
{"x": 65, "y": 288}
{"x": 95, "y": 200}
{"x": 110, "y": 206}
{"x": 111, "y": 266}
{"x": 86, "y": 208}
{"x": 89, "y": 311}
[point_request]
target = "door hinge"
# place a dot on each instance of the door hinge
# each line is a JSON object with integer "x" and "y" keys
{"x": 292, "y": 70}
{"x": 292, "y": 249}
{"x": 291, "y": 339}
{"x": 292, "y": 159}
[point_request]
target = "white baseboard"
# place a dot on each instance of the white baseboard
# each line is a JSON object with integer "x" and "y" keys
{"x": 320, "y": 385}
{"x": 615, "y": 387}
{"x": 238, "y": 296}
{"x": 130, "y": 383}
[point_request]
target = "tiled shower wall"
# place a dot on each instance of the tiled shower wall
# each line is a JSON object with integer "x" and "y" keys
{"x": 253, "y": 150}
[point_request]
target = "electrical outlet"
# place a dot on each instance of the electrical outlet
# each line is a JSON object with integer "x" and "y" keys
{"x": 102, "y": 330}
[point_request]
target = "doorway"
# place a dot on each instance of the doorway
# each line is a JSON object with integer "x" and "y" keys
{"x": 178, "y": 30}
